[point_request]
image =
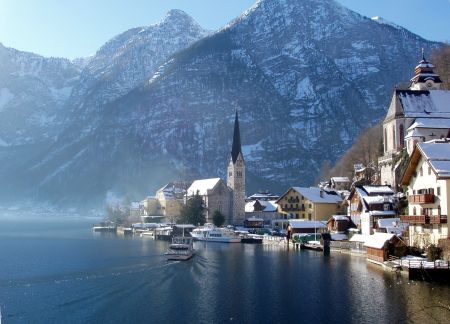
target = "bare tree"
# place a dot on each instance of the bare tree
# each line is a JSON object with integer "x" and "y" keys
{"x": 441, "y": 59}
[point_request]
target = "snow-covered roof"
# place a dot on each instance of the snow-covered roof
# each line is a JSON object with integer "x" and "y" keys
{"x": 359, "y": 238}
{"x": 298, "y": 223}
{"x": 414, "y": 132}
{"x": 388, "y": 222}
{"x": 437, "y": 153}
{"x": 438, "y": 123}
{"x": 378, "y": 240}
{"x": 340, "y": 179}
{"x": 426, "y": 104}
{"x": 340, "y": 218}
{"x": 314, "y": 195}
{"x": 338, "y": 237}
{"x": 382, "y": 212}
{"x": 202, "y": 186}
{"x": 378, "y": 190}
{"x": 263, "y": 196}
{"x": 373, "y": 199}
{"x": 269, "y": 206}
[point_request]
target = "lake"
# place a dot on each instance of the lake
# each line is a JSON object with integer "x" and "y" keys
{"x": 53, "y": 269}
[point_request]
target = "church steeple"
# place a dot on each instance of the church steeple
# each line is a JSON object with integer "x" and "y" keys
{"x": 236, "y": 146}
{"x": 425, "y": 78}
{"x": 236, "y": 176}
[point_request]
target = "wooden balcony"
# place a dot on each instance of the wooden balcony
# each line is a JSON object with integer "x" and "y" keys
{"x": 421, "y": 199}
{"x": 424, "y": 219}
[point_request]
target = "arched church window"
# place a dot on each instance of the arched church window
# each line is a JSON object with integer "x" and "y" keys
{"x": 393, "y": 137}
{"x": 402, "y": 136}
{"x": 385, "y": 140}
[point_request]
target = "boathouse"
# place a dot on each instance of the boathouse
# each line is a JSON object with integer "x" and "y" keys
{"x": 382, "y": 245}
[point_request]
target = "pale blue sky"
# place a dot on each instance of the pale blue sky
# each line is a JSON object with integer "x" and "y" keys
{"x": 76, "y": 28}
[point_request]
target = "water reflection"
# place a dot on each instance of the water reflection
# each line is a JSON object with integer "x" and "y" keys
{"x": 61, "y": 268}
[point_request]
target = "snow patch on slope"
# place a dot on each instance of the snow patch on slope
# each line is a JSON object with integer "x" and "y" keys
{"x": 383, "y": 21}
{"x": 5, "y": 97}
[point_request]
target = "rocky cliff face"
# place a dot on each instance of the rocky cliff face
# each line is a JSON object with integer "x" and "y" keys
{"x": 306, "y": 76}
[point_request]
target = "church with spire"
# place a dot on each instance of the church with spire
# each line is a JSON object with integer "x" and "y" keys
{"x": 416, "y": 114}
{"x": 226, "y": 197}
{"x": 236, "y": 176}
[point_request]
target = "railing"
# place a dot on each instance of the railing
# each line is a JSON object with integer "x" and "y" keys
{"x": 424, "y": 219}
{"x": 418, "y": 264}
{"x": 438, "y": 219}
{"x": 421, "y": 199}
{"x": 420, "y": 219}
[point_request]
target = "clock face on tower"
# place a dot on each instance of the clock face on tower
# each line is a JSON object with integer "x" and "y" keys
{"x": 429, "y": 84}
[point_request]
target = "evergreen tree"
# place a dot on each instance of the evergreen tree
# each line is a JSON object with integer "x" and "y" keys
{"x": 194, "y": 211}
{"x": 218, "y": 218}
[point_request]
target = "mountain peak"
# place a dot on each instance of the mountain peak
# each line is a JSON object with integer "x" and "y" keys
{"x": 177, "y": 16}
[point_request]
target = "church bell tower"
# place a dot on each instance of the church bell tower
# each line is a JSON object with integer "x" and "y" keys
{"x": 236, "y": 176}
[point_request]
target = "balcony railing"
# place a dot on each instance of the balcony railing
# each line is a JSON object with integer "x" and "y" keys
{"x": 424, "y": 219}
{"x": 421, "y": 199}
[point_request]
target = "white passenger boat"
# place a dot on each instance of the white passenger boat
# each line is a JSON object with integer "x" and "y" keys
{"x": 210, "y": 233}
{"x": 181, "y": 249}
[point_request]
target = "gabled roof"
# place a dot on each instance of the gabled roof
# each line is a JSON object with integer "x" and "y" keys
{"x": 340, "y": 179}
{"x": 386, "y": 190}
{"x": 202, "y": 186}
{"x": 424, "y": 103}
{"x": 378, "y": 240}
{"x": 436, "y": 153}
{"x": 363, "y": 191}
{"x": 268, "y": 206}
{"x": 439, "y": 123}
{"x": 314, "y": 195}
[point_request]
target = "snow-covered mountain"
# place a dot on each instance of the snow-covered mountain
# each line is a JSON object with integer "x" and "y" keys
{"x": 33, "y": 90}
{"x": 306, "y": 76}
{"x": 131, "y": 57}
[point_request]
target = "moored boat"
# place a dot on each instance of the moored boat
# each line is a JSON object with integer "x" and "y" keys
{"x": 181, "y": 249}
{"x": 210, "y": 233}
{"x": 251, "y": 238}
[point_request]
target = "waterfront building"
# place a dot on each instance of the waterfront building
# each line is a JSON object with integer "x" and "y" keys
{"x": 382, "y": 245}
{"x": 418, "y": 113}
{"x": 339, "y": 224}
{"x": 305, "y": 226}
{"x": 229, "y": 197}
{"x": 267, "y": 210}
{"x": 170, "y": 199}
{"x": 368, "y": 204}
{"x": 216, "y": 195}
{"x": 150, "y": 206}
{"x": 309, "y": 204}
{"x": 427, "y": 178}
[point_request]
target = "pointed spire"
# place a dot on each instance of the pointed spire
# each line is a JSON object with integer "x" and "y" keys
{"x": 424, "y": 72}
{"x": 236, "y": 146}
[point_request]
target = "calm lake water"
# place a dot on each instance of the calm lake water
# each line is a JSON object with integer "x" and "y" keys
{"x": 53, "y": 269}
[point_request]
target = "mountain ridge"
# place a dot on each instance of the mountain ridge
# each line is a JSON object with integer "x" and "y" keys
{"x": 310, "y": 85}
